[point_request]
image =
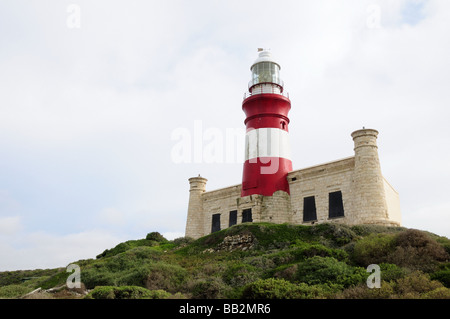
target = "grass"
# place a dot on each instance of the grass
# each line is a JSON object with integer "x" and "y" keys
{"x": 286, "y": 261}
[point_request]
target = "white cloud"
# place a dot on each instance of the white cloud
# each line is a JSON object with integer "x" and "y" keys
{"x": 44, "y": 250}
{"x": 10, "y": 225}
{"x": 112, "y": 216}
{"x": 435, "y": 219}
{"x": 172, "y": 235}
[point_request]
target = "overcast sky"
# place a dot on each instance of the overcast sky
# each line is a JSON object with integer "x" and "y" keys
{"x": 94, "y": 96}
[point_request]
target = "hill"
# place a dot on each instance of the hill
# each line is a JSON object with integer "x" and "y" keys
{"x": 256, "y": 260}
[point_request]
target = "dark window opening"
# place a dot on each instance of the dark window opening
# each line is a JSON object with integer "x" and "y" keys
{"x": 309, "y": 209}
{"x": 294, "y": 179}
{"x": 233, "y": 218}
{"x": 247, "y": 215}
{"x": 283, "y": 125}
{"x": 215, "y": 223}
{"x": 336, "y": 206}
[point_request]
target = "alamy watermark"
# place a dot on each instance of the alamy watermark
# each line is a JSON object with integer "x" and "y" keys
{"x": 210, "y": 145}
{"x": 74, "y": 279}
{"x": 374, "y": 279}
{"x": 73, "y": 20}
{"x": 229, "y": 145}
{"x": 373, "y": 20}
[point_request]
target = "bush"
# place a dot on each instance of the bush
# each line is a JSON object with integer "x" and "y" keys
{"x": 210, "y": 288}
{"x": 261, "y": 262}
{"x": 301, "y": 250}
{"x": 131, "y": 244}
{"x": 165, "y": 276}
{"x": 275, "y": 288}
{"x": 13, "y": 291}
{"x": 126, "y": 292}
{"x": 239, "y": 274}
{"x": 288, "y": 272}
{"x": 155, "y": 236}
{"x": 415, "y": 284}
{"x": 58, "y": 279}
{"x": 123, "y": 269}
{"x": 391, "y": 272}
{"x": 373, "y": 249}
{"x": 445, "y": 243}
{"x": 361, "y": 291}
{"x": 411, "y": 249}
{"x": 328, "y": 270}
{"x": 182, "y": 241}
{"x": 417, "y": 250}
{"x": 438, "y": 293}
{"x": 442, "y": 275}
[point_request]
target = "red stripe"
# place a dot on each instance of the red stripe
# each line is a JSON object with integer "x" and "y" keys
{"x": 266, "y": 110}
{"x": 272, "y": 121}
{"x": 254, "y": 180}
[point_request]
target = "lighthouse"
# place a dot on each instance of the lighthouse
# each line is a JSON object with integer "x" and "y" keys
{"x": 347, "y": 191}
{"x": 267, "y": 149}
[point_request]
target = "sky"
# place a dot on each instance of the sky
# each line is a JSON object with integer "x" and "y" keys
{"x": 95, "y": 97}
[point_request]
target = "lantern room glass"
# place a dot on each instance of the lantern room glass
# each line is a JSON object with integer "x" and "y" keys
{"x": 266, "y": 72}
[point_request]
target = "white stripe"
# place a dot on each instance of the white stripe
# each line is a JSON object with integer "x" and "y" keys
{"x": 267, "y": 142}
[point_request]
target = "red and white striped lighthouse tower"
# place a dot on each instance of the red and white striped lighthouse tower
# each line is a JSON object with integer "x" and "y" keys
{"x": 267, "y": 147}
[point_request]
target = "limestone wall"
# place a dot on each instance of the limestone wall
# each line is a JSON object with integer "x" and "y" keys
{"x": 393, "y": 203}
{"x": 195, "y": 217}
{"x": 220, "y": 201}
{"x": 319, "y": 181}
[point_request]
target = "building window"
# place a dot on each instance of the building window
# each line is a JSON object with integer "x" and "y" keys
{"x": 336, "y": 206}
{"x": 247, "y": 215}
{"x": 233, "y": 218}
{"x": 309, "y": 209}
{"x": 215, "y": 226}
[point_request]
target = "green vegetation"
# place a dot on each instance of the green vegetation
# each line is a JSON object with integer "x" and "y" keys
{"x": 284, "y": 262}
{"x": 126, "y": 292}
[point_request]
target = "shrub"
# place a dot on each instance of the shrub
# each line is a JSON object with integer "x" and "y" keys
{"x": 125, "y": 246}
{"x": 210, "y": 288}
{"x": 182, "y": 241}
{"x": 442, "y": 275}
{"x": 361, "y": 291}
{"x": 261, "y": 262}
{"x": 165, "y": 276}
{"x": 417, "y": 250}
{"x": 288, "y": 272}
{"x": 126, "y": 292}
{"x": 415, "y": 284}
{"x": 275, "y": 288}
{"x": 445, "y": 243}
{"x": 438, "y": 293}
{"x": 13, "y": 291}
{"x": 155, "y": 236}
{"x": 240, "y": 274}
{"x": 373, "y": 249}
{"x": 58, "y": 279}
{"x": 391, "y": 272}
{"x": 328, "y": 270}
{"x": 365, "y": 230}
{"x": 123, "y": 269}
{"x": 92, "y": 278}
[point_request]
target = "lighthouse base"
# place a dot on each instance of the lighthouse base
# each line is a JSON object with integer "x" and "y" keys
{"x": 272, "y": 209}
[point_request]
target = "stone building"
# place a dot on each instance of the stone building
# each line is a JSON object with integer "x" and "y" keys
{"x": 349, "y": 191}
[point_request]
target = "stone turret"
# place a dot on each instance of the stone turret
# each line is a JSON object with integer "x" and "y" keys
{"x": 369, "y": 198}
{"x": 195, "y": 218}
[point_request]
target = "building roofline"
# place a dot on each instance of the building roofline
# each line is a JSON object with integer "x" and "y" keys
{"x": 323, "y": 164}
